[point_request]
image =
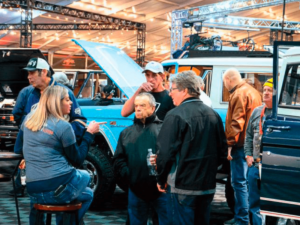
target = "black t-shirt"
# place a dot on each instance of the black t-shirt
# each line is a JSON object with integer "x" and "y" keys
{"x": 164, "y": 103}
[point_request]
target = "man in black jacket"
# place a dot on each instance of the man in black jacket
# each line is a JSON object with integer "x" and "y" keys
{"x": 130, "y": 161}
{"x": 189, "y": 147}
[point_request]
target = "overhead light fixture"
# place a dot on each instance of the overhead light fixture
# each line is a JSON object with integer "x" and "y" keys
{"x": 133, "y": 9}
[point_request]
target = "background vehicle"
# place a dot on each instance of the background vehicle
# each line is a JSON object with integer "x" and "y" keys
{"x": 280, "y": 181}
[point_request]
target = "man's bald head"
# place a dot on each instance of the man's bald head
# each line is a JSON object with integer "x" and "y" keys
{"x": 231, "y": 78}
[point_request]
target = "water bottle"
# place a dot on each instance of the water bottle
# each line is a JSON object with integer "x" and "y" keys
{"x": 23, "y": 177}
{"x": 151, "y": 168}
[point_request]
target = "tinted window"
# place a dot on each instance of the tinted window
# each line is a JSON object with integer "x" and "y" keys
{"x": 255, "y": 79}
{"x": 290, "y": 93}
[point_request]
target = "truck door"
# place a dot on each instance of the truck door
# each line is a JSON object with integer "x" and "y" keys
{"x": 280, "y": 176}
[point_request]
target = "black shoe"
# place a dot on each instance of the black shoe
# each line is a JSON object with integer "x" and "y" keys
{"x": 19, "y": 192}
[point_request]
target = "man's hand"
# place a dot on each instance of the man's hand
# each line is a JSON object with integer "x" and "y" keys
{"x": 22, "y": 164}
{"x": 162, "y": 189}
{"x": 147, "y": 87}
{"x": 249, "y": 160}
{"x": 229, "y": 157}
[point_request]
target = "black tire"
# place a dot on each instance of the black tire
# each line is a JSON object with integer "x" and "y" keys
{"x": 280, "y": 221}
{"x": 101, "y": 171}
{"x": 229, "y": 194}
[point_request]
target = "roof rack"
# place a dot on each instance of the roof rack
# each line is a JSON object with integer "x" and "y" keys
{"x": 198, "y": 54}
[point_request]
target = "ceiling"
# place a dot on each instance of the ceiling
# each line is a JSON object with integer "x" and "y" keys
{"x": 155, "y": 13}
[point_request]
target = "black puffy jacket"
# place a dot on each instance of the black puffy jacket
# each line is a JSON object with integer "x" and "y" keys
{"x": 130, "y": 159}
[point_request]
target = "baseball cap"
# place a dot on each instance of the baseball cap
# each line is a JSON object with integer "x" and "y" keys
{"x": 36, "y": 63}
{"x": 154, "y": 67}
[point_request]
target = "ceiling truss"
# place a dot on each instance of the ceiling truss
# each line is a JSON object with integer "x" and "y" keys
{"x": 70, "y": 26}
{"x": 102, "y": 22}
{"x": 213, "y": 14}
{"x": 247, "y": 22}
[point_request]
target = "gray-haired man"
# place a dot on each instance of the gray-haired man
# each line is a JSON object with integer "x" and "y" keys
{"x": 130, "y": 162}
{"x": 188, "y": 148}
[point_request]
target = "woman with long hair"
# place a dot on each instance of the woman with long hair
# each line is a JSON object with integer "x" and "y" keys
{"x": 50, "y": 151}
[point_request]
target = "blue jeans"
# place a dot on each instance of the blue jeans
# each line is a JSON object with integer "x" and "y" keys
{"x": 138, "y": 209}
{"x": 239, "y": 169}
{"x": 77, "y": 189}
{"x": 254, "y": 195}
{"x": 189, "y": 209}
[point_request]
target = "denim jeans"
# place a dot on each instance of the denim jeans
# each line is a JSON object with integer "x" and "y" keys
{"x": 138, "y": 209}
{"x": 77, "y": 189}
{"x": 254, "y": 195}
{"x": 239, "y": 170}
{"x": 189, "y": 209}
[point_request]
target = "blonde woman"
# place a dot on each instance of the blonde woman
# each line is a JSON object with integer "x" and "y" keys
{"x": 49, "y": 148}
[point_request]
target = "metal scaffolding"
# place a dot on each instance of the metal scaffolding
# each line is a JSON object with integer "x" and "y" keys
{"x": 100, "y": 22}
{"x": 221, "y": 10}
{"x": 68, "y": 26}
{"x": 26, "y": 26}
{"x": 235, "y": 21}
{"x": 140, "y": 52}
{"x": 202, "y": 13}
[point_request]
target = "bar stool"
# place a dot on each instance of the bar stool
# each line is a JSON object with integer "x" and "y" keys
{"x": 11, "y": 156}
{"x": 71, "y": 208}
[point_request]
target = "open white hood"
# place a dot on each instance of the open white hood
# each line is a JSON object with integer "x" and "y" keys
{"x": 117, "y": 65}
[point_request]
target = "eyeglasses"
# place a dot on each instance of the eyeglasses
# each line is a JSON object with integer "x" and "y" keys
{"x": 172, "y": 89}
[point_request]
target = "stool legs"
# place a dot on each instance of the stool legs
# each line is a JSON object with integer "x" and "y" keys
{"x": 39, "y": 217}
{"x": 48, "y": 221}
{"x": 16, "y": 198}
{"x": 76, "y": 218}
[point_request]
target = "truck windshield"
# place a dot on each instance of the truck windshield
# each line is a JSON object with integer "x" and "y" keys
{"x": 290, "y": 94}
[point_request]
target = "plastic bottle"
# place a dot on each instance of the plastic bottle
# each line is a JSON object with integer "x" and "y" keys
{"x": 23, "y": 177}
{"x": 152, "y": 170}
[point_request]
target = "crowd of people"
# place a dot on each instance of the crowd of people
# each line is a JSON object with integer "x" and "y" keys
{"x": 168, "y": 157}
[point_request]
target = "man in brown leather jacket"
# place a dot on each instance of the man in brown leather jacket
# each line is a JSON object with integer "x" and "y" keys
{"x": 243, "y": 100}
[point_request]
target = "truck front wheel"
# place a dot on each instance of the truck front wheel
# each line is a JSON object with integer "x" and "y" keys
{"x": 100, "y": 169}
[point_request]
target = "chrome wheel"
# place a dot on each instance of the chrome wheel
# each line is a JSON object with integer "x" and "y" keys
{"x": 91, "y": 169}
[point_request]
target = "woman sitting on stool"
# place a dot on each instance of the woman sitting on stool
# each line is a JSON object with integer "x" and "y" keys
{"x": 50, "y": 149}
